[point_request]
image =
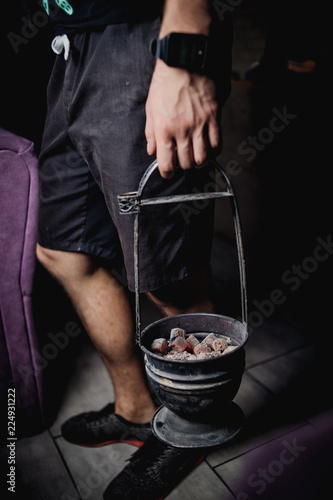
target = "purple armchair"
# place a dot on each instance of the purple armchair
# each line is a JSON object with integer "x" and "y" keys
{"x": 18, "y": 234}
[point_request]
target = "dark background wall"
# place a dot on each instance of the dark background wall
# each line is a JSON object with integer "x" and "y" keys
{"x": 26, "y": 62}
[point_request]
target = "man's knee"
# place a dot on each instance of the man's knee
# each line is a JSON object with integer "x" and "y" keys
{"x": 63, "y": 265}
{"x": 195, "y": 291}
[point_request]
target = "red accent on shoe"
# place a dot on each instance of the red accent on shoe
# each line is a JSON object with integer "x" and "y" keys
{"x": 136, "y": 443}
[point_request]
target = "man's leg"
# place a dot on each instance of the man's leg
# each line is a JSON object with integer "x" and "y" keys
{"x": 190, "y": 295}
{"x": 102, "y": 305}
{"x": 156, "y": 468}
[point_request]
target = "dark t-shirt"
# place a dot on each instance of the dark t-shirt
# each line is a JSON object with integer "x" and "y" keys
{"x": 68, "y": 16}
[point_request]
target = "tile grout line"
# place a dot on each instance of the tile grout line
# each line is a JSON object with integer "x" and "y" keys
{"x": 277, "y": 356}
{"x": 256, "y": 447}
{"x": 296, "y": 324}
{"x": 261, "y": 384}
{"x": 212, "y": 468}
{"x": 54, "y": 439}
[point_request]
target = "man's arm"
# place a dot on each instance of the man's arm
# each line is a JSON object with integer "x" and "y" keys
{"x": 181, "y": 107}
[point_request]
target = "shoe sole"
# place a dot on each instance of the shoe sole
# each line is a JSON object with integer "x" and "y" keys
{"x": 136, "y": 443}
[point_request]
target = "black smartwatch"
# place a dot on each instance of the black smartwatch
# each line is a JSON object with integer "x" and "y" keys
{"x": 182, "y": 50}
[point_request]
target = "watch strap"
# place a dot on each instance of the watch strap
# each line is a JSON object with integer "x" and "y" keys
{"x": 159, "y": 47}
{"x": 182, "y": 50}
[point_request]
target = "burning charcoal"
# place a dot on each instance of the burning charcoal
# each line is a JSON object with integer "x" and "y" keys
{"x": 229, "y": 349}
{"x": 174, "y": 355}
{"x": 204, "y": 355}
{"x": 209, "y": 339}
{"x": 216, "y": 354}
{"x": 191, "y": 357}
{"x": 192, "y": 341}
{"x": 160, "y": 346}
{"x": 176, "y": 332}
{"x": 178, "y": 344}
{"x": 201, "y": 348}
{"x": 220, "y": 344}
{"x": 182, "y": 356}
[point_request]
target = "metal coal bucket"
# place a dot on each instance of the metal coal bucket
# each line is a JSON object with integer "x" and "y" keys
{"x": 197, "y": 396}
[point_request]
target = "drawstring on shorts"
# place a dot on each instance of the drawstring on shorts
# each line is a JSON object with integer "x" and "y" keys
{"x": 61, "y": 43}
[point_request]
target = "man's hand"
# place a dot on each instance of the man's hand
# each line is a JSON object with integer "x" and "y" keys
{"x": 182, "y": 113}
{"x": 181, "y": 125}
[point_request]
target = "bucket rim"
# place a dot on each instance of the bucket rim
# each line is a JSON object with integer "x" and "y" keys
{"x": 150, "y": 353}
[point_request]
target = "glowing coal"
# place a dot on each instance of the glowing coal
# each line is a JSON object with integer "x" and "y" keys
{"x": 190, "y": 347}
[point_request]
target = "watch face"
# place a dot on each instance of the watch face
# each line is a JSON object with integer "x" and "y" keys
{"x": 187, "y": 51}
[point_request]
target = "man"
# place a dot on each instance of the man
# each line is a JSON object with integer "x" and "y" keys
{"x": 113, "y": 105}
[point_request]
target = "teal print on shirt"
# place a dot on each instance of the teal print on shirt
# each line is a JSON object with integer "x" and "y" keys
{"x": 63, "y": 4}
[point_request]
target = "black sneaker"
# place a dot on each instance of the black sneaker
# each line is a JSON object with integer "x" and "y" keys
{"x": 98, "y": 428}
{"x": 153, "y": 471}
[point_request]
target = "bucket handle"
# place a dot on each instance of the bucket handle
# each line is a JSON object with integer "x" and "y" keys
{"x": 130, "y": 203}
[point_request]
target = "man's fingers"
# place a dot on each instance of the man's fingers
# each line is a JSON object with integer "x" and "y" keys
{"x": 166, "y": 158}
{"x": 185, "y": 154}
{"x": 200, "y": 150}
{"x": 214, "y": 135}
{"x": 150, "y": 137}
{"x": 181, "y": 127}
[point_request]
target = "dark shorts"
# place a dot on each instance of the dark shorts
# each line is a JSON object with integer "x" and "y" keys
{"x": 94, "y": 148}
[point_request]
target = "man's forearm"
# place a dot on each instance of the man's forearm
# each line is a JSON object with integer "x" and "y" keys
{"x": 181, "y": 109}
{"x": 186, "y": 16}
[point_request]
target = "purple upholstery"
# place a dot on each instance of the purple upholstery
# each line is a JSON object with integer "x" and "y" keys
{"x": 18, "y": 234}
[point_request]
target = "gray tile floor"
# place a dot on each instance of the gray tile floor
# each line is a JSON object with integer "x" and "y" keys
{"x": 277, "y": 355}
{"x": 281, "y": 440}
{"x": 284, "y": 450}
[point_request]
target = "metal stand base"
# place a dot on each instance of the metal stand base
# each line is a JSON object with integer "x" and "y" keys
{"x": 181, "y": 433}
